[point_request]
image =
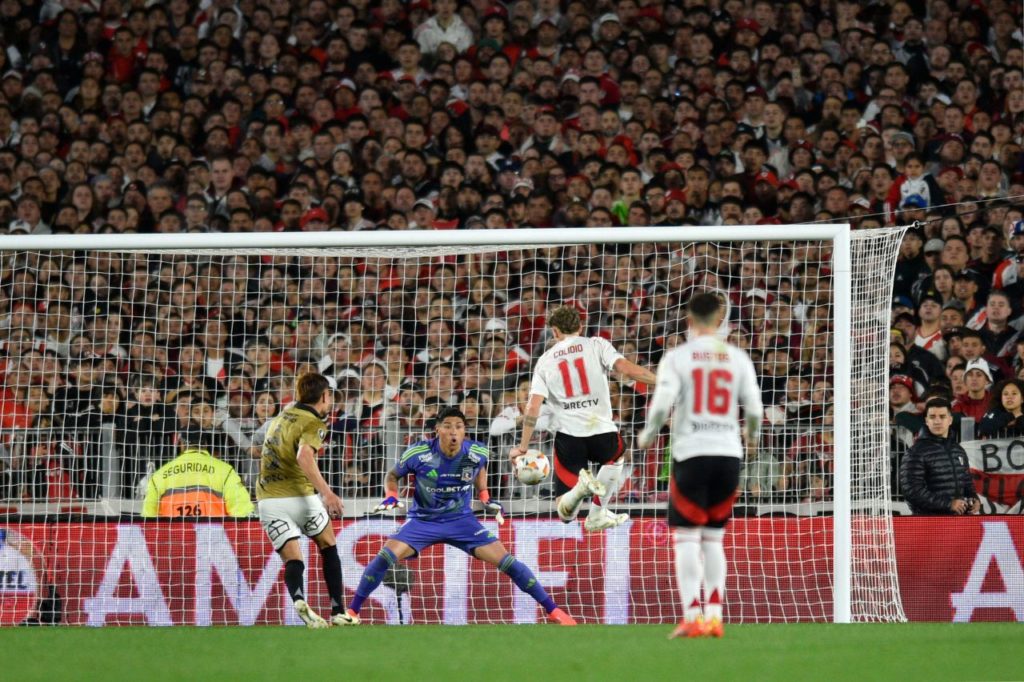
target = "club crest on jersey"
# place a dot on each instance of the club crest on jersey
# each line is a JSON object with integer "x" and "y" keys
{"x": 19, "y": 584}
{"x": 322, "y": 434}
{"x": 467, "y": 474}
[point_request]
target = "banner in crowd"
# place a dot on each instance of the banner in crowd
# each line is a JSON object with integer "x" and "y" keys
{"x": 173, "y": 573}
{"x": 997, "y": 467}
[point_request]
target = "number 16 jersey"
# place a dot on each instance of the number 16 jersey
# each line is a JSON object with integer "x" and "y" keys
{"x": 573, "y": 377}
{"x": 707, "y": 380}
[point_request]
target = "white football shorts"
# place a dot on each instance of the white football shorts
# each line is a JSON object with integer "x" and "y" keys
{"x": 286, "y": 518}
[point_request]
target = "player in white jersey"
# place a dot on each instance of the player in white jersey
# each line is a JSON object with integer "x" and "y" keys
{"x": 706, "y": 380}
{"x": 573, "y": 376}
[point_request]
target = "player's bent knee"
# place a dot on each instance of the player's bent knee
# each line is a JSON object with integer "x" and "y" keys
{"x": 290, "y": 550}
{"x": 399, "y": 549}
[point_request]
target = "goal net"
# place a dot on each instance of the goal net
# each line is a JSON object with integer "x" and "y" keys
{"x": 116, "y": 355}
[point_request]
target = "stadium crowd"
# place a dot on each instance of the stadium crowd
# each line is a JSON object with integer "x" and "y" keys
{"x": 122, "y": 116}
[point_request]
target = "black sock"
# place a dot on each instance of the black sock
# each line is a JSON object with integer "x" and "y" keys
{"x": 332, "y": 576}
{"x": 293, "y": 570}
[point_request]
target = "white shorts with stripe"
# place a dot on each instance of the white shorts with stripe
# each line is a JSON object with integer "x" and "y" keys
{"x": 287, "y": 518}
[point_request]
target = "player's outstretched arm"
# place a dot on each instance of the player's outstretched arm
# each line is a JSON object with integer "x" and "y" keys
{"x": 635, "y": 371}
{"x": 485, "y": 497}
{"x": 529, "y": 425}
{"x": 391, "y": 500}
{"x": 667, "y": 388}
{"x": 750, "y": 399}
{"x": 306, "y": 459}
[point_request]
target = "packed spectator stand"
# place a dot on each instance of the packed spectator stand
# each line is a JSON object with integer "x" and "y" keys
{"x": 179, "y": 116}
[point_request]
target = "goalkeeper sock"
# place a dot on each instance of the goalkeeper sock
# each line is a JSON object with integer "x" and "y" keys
{"x": 332, "y": 576}
{"x": 688, "y": 571}
{"x": 372, "y": 576}
{"x": 293, "y": 570}
{"x": 526, "y": 581}
{"x": 611, "y": 476}
{"x": 714, "y": 571}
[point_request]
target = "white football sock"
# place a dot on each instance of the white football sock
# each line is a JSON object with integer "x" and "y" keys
{"x": 714, "y": 571}
{"x": 611, "y": 476}
{"x": 688, "y": 571}
{"x": 572, "y": 500}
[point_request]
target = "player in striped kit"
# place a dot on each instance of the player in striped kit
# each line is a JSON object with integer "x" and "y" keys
{"x": 573, "y": 376}
{"x": 705, "y": 380}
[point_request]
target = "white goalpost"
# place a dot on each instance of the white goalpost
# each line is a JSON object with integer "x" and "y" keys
{"x": 116, "y": 345}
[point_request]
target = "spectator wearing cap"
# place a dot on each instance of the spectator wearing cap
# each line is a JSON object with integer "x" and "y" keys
{"x": 1009, "y": 274}
{"x": 933, "y": 253}
{"x": 974, "y": 402}
{"x": 965, "y": 290}
{"x": 902, "y": 395}
{"x": 952, "y": 315}
{"x": 929, "y": 330}
{"x": 907, "y": 324}
{"x": 1005, "y": 415}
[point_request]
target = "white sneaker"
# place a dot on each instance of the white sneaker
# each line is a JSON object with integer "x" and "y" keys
{"x": 586, "y": 485}
{"x": 345, "y": 618}
{"x": 590, "y": 484}
{"x": 603, "y": 520}
{"x": 309, "y": 616}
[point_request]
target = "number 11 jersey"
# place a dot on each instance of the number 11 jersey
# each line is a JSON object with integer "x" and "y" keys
{"x": 573, "y": 377}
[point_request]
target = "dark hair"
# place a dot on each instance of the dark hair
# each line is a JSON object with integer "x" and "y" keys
{"x": 704, "y": 306}
{"x": 939, "y": 403}
{"x": 449, "y": 411}
{"x": 310, "y": 387}
{"x": 996, "y": 401}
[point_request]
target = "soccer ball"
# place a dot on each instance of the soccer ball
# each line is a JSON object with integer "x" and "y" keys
{"x": 533, "y": 467}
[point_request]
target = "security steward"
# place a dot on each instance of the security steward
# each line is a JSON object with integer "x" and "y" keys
{"x": 196, "y": 484}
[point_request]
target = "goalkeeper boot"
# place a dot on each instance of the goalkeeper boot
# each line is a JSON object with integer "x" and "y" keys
{"x": 689, "y": 629}
{"x": 309, "y": 616}
{"x": 346, "y": 617}
{"x": 714, "y": 628}
{"x": 601, "y": 519}
{"x": 561, "y": 617}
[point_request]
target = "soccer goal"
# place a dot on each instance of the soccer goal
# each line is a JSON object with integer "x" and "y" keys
{"x": 116, "y": 346}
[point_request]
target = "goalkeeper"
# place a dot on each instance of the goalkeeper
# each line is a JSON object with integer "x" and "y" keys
{"x": 446, "y": 469}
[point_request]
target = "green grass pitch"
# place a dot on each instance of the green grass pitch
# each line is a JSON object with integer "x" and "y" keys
{"x": 903, "y": 652}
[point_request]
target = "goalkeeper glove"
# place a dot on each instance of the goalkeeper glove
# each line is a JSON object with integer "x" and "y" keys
{"x": 390, "y": 502}
{"x": 493, "y": 507}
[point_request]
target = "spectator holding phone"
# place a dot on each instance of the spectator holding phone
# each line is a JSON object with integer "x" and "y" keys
{"x": 933, "y": 474}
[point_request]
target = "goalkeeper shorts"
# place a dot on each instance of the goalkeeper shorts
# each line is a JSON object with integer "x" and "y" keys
{"x": 702, "y": 491}
{"x": 288, "y": 518}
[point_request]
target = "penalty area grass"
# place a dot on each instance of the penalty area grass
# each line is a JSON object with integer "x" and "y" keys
{"x": 908, "y": 651}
